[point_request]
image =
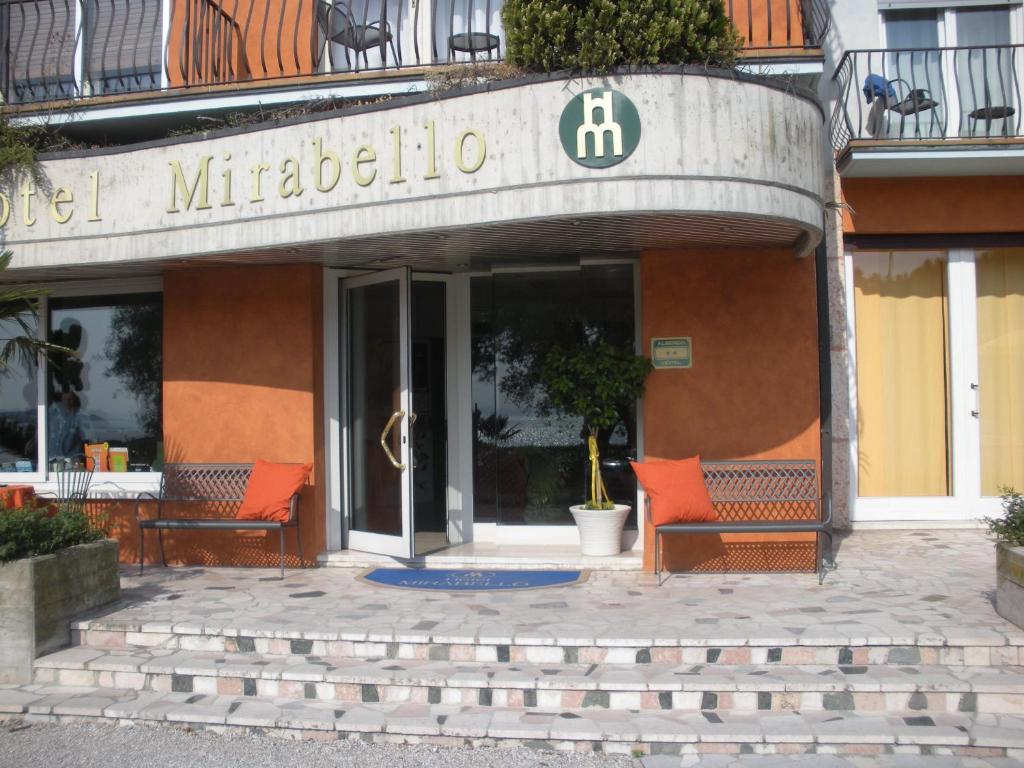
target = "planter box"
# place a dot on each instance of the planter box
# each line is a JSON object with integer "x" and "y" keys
{"x": 1010, "y": 583}
{"x": 40, "y": 595}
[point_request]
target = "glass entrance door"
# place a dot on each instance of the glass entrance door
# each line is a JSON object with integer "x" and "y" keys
{"x": 379, "y": 407}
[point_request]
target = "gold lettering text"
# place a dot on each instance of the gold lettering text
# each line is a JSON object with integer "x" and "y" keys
{"x": 5, "y": 209}
{"x": 27, "y": 192}
{"x": 188, "y": 194}
{"x": 460, "y": 151}
{"x": 94, "y": 206}
{"x": 289, "y": 186}
{"x": 61, "y": 196}
{"x": 364, "y": 156}
{"x": 431, "y": 153}
{"x": 226, "y": 176}
{"x": 257, "y": 172}
{"x": 325, "y": 156}
{"x": 396, "y": 160}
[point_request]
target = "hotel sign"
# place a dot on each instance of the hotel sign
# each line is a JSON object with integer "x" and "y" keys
{"x": 674, "y": 352}
{"x": 425, "y": 167}
{"x": 599, "y": 128}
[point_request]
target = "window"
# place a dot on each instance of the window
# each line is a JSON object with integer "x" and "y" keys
{"x": 18, "y": 412}
{"x": 110, "y": 392}
{"x": 903, "y": 390}
{"x": 529, "y": 463}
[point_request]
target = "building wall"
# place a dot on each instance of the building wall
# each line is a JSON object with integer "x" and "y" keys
{"x": 752, "y": 392}
{"x": 971, "y": 204}
{"x": 242, "y": 381}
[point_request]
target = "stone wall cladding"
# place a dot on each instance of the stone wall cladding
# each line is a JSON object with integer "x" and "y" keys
{"x": 1010, "y": 583}
{"x": 40, "y": 595}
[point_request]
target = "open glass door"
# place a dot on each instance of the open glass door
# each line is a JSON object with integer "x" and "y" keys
{"x": 377, "y": 373}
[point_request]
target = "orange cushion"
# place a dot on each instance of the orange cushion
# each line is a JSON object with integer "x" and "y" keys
{"x": 676, "y": 490}
{"x": 270, "y": 489}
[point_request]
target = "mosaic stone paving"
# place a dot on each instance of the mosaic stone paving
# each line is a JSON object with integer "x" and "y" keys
{"x": 891, "y": 588}
{"x": 899, "y": 652}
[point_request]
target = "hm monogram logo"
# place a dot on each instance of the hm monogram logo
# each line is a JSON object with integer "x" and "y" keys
{"x": 599, "y": 128}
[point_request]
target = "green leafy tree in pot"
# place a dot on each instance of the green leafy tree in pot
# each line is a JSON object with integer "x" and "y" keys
{"x": 595, "y": 382}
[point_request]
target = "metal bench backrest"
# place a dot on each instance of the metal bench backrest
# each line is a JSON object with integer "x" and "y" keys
{"x": 204, "y": 482}
{"x": 764, "y": 490}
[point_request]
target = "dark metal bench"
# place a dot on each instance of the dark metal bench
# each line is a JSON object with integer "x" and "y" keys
{"x": 761, "y": 497}
{"x": 219, "y": 488}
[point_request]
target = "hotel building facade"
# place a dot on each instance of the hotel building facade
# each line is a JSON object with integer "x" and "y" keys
{"x": 832, "y": 232}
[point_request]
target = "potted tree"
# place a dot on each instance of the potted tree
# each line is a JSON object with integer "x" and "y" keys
{"x": 1009, "y": 533}
{"x": 596, "y": 382}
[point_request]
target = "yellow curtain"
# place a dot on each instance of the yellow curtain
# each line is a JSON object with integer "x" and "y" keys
{"x": 1000, "y": 280}
{"x": 902, "y": 374}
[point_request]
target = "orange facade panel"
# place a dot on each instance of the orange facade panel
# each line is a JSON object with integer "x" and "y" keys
{"x": 752, "y": 392}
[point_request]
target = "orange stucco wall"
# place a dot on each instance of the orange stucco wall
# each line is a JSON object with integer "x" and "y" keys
{"x": 752, "y": 392}
{"x": 933, "y": 205}
{"x": 242, "y": 381}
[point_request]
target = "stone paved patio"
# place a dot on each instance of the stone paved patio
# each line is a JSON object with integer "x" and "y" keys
{"x": 890, "y": 588}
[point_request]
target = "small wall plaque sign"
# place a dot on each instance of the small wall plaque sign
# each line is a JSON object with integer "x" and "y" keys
{"x": 675, "y": 352}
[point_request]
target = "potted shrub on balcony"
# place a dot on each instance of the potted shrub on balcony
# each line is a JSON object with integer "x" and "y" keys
{"x": 596, "y": 383}
{"x": 1009, "y": 533}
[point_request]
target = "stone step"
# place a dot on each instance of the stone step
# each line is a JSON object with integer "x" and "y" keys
{"x": 720, "y": 688}
{"x": 612, "y": 730}
{"x": 966, "y": 648}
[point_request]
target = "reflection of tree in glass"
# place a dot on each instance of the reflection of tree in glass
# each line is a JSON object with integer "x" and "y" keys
{"x": 134, "y": 349}
{"x": 492, "y": 429}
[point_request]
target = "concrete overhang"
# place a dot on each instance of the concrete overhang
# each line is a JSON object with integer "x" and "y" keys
{"x": 457, "y": 181}
{"x": 907, "y": 159}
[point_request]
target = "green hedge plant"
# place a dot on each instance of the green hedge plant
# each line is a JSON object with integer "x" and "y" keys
{"x": 599, "y": 35}
{"x": 595, "y": 382}
{"x": 29, "y": 532}
{"x": 1009, "y": 528}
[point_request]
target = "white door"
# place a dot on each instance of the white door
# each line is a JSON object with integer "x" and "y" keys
{"x": 376, "y": 369}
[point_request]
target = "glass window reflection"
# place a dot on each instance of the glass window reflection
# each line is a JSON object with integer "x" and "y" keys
{"x": 109, "y": 394}
{"x": 529, "y": 463}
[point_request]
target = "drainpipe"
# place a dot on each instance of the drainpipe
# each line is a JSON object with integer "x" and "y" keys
{"x": 824, "y": 369}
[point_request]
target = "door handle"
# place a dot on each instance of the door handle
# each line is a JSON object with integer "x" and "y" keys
{"x": 384, "y": 439}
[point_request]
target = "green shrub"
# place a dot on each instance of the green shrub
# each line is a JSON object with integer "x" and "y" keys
{"x": 1010, "y": 527}
{"x": 546, "y": 35}
{"x": 28, "y": 532}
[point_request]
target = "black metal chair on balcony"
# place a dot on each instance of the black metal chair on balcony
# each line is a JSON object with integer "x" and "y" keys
{"x": 896, "y": 96}
{"x": 470, "y": 40}
{"x": 340, "y": 26}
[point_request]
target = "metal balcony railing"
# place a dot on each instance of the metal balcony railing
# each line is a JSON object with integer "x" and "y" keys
{"x": 928, "y": 93}
{"x": 66, "y": 49}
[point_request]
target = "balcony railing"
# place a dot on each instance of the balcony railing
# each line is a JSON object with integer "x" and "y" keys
{"x": 928, "y": 94}
{"x": 65, "y": 49}
{"x": 767, "y": 25}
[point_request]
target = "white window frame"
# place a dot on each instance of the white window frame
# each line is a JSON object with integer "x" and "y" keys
{"x": 113, "y": 485}
{"x": 966, "y": 505}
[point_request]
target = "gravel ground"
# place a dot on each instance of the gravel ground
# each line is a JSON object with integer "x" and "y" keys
{"x": 101, "y": 745}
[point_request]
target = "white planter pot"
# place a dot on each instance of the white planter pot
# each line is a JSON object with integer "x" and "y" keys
{"x": 600, "y": 529}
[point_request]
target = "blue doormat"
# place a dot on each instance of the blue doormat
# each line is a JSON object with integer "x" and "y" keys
{"x": 470, "y": 581}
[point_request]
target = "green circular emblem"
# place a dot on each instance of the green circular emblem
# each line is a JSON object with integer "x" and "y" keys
{"x": 599, "y": 128}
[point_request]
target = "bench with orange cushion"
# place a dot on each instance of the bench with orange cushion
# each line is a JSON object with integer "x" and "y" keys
{"x": 741, "y": 497}
{"x": 260, "y": 496}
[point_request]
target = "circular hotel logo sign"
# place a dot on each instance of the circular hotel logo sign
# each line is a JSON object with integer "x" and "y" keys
{"x": 599, "y": 128}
